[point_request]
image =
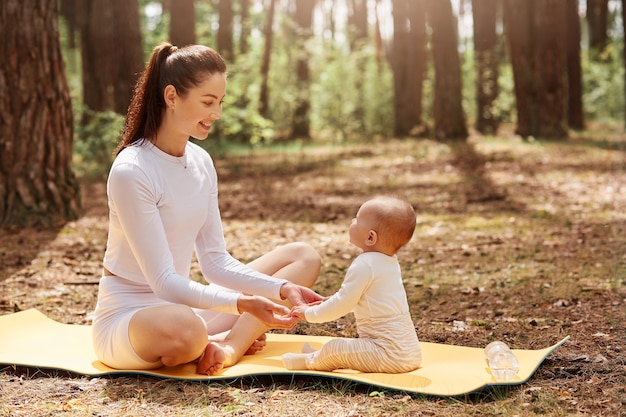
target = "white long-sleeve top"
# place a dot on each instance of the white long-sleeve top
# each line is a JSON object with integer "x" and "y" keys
{"x": 161, "y": 209}
{"x": 372, "y": 288}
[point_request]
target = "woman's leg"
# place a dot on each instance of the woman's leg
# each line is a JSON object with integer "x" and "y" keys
{"x": 296, "y": 262}
{"x": 172, "y": 334}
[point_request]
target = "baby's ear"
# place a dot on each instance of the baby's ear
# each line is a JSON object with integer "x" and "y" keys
{"x": 372, "y": 238}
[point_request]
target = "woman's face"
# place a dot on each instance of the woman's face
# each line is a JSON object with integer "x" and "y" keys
{"x": 201, "y": 107}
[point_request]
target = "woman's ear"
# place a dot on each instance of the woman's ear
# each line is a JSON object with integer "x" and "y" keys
{"x": 372, "y": 238}
{"x": 169, "y": 95}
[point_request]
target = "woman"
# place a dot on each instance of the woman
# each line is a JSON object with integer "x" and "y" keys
{"x": 162, "y": 194}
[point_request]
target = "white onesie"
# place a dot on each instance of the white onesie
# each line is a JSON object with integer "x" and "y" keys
{"x": 161, "y": 209}
{"x": 372, "y": 289}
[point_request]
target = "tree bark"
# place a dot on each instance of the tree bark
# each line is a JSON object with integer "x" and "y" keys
{"x": 597, "y": 21}
{"x": 128, "y": 51}
{"x": 225, "y": 30}
{"x": 574, "y": 70}
{"x": 447, "y": 109}
{"x": 486, "y": 54}
{"x": 304, "y": 20}
{"x": 518, "y": 27}
{"x": 408, "y": 63}
{"x": 97, "y": 28}
{"x": 265, "y": 63}
{"x": 536, "y": 33}
{"x": 244, "y": 40}
{"x": 551, "y": 63}
{"x": 182, "y": 29}
{"x": 624, "y": 53}
{"x": 37, "y": 185}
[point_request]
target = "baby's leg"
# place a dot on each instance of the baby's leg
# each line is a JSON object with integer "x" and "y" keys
{"x": 360, "y": 354}
{"x": 295, "y": 361}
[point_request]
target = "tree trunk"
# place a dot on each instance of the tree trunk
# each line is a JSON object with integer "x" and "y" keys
{"x": 518, "y": 27}
{"x": 486, "y": 54}
{"x": 225, "y": 30}
{"x": 128, "y": 51}
{"x": 244, "y": 40}
{"x": 97, "y": 27}
{"x": 265, "y": 63}
{"x": 304, "y": 20}
{"x": 551, "y": 64}
{"x": 624, "y": 53}
{"x": 357, "y": 23}
{"x": 536, "y": 33}
{"x": 357, "y": 35}
{"x": 182, "y": 29}
{"x": 37, "y": 185}
{"x": 597, "y": 20}
{"x": 408, "y": 63}
{"x": 574, "y": 70}
{"x": 447, "y": 109}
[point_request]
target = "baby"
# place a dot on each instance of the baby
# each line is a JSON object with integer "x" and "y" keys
{"x": 372, "y": 289}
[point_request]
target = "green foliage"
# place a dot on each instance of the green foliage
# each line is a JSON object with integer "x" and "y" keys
{"x": 95, "y": 137}
{"x": 352, "y": 95}
{"x": 603, "y": 85}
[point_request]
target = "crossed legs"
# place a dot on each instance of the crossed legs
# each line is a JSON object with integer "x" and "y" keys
{"x": 174, "y": 334}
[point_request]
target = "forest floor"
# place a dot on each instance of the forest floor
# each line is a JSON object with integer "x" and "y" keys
{"x": 521, "y": 241}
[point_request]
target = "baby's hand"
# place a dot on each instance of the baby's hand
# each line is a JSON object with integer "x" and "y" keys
{"x": 298, "y": 311}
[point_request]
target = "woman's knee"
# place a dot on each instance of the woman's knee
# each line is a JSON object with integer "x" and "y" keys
{"x": 178, "y": 335}
{"x": 301, "y": 251}
{"x": 306, "y": 255}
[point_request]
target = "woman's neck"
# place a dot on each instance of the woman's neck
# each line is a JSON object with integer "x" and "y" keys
{"x": 170, "y": 142}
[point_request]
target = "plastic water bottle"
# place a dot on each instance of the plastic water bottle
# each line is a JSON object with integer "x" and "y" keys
{"x": 502, "y": 362}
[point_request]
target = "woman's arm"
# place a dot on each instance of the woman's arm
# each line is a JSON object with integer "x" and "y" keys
{"x": 133, "y": 199}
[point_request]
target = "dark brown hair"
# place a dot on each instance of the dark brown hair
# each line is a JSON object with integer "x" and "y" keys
{"x": 184, "y": 68}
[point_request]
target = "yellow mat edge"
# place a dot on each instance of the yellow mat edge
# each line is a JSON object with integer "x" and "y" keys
{"x": 363, "y": 378}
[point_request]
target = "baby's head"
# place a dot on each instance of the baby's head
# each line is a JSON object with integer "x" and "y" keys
{"x": 383, "y": 224}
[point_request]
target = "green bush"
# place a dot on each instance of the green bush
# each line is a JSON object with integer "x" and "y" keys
{"x": 96, "y": 135}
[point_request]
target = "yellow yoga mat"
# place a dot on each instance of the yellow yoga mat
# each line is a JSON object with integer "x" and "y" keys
{"x": 29, "y": 338}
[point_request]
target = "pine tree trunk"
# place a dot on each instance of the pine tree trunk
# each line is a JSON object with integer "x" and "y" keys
{"x": 304, "y": 20}
{"x": 447, "y": 109}
{"x": 97, "y": 27}
{"x": 128, "y": 51}
{"x": 183, "y": 23}
{"x": 37, "y": 185}
{"x": 550, "y": 58}
{"x": 574, "y": 70}
{"x": 518, "y": 27}
{"x": 408, "y": 63}
{"x": 265, "y": 63}
{"x": 485, "y": 14}
{"x": 537, "y": 36}
{"x": 597, "y": 20}
{"x": 225, "y": 30}
{"x": 244, "y": 40}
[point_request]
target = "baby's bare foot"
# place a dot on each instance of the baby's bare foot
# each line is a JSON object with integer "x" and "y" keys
{"x": 257, "y": 345}
{"x": 212, "y": 360}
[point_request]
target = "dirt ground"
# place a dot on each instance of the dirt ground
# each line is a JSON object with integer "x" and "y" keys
{"x": 518, "y": 241}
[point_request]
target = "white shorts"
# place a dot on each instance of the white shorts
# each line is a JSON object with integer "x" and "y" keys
{"x": 118, "y": 301}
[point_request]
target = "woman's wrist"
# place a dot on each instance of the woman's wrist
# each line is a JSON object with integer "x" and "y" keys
{"x": 243, "y": 303}
{"x": 284, "y": 290}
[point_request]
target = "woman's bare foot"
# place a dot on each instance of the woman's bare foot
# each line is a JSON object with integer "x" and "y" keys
{"x": 212, "y": 360}
{"x": 257, "y": 345}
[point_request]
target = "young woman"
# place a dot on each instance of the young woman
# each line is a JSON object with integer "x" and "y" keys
{"x": 162, "y": 194}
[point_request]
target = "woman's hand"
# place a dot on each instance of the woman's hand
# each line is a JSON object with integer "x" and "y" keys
{"x": 271, "y": 314}
{"x": 299, "y": 295}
